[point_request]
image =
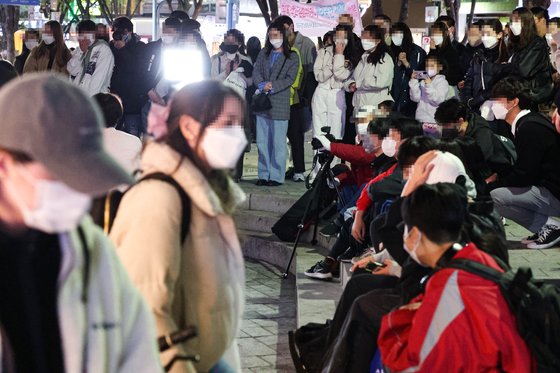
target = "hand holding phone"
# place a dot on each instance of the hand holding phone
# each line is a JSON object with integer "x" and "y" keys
{"x": 420, "y": 74}
{"x": 372, "y": 266}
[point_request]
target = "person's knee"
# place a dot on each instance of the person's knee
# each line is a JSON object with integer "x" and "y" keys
{"x": 500, "y": 197}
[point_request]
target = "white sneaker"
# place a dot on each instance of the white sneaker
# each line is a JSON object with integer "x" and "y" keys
{"x": 298, "y": 177}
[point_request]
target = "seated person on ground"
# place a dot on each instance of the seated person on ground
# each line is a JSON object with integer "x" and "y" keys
{"x": 529, "y": 193}
{"x": 366, "y": 159}
{"x": 461, "y": 322}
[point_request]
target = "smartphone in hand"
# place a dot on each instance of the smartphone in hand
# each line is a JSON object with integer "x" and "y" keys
{"x": 372, "y": 266}
{"x": 420, "y": 74}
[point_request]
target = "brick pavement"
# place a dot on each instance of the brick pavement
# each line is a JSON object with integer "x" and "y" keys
{"x": 270, "y": 312}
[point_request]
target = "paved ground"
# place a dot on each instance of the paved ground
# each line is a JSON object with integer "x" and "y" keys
{"x": 271, "y": 301}
{"x": 270, "y": 313}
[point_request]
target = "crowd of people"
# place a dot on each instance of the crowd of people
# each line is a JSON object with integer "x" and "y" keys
{"x": 435, "y": 149}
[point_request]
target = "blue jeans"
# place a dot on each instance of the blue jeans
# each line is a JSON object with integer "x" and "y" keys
{"x": 272, "y": 147}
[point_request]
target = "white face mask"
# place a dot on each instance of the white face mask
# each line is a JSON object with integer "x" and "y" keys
{"x": 341, "y": 41}
{"x": 515, "y": 28}
{"x": 230, "y": 56}
{"x": 397, "y": 39}
{"x": 548, "y": 38}
{"x": 389, "y": 147}
{"x": 362, "y": 128}
{"x": 412, "y": 251}
{"x": 368, "y": 44}
{"x": 432, "y": 72}
{"x": 438, "y": 39}
{"x": 489, "y": 41}
{"x": 223, "y": 146}
{"x": 59, "y": 207}
{"x": 276, "y": 43}
{"x": 500, "y": 111}
{"x": 48, "y": 39}
{"x": 30, "y": 44}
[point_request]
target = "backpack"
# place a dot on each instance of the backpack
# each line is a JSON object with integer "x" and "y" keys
{"x": 535, "y": 305}
{"x": 504, "y": 151}
{"x": 104, "y": 209}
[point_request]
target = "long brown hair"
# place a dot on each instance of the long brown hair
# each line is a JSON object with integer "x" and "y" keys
{"x": 62, "y": 53}
{"x": 528, "y": 30}
{"x": 204, "y": 102}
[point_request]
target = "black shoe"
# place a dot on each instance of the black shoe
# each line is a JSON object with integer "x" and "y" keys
{"x": 290, "y": 173}
{"x": 330, "y": 230}
{"x": 549, "y": 235}
{"x": 530, "y": 239}
{"x": 273, "y": 183}
{"x": 261, "y": 182}
{"x": 321, "y": 270}
{"x": 347, "y": 256}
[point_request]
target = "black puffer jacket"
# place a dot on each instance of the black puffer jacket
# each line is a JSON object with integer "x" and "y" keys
{"x": 481, "y": 76}
{"x": 450, "y": 56}
{"x": 532, "y": 64}
{"x": 401, "y": 91}
{"x": 468, "y": 54}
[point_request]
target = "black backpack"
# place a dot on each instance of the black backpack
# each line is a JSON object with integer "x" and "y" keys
{"x": 104, "y": 209}
{"x": 535, "y": 305}
{"x": 505, "y": 153}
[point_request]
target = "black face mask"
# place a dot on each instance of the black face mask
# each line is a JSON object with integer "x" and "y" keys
{"x": 229, "y": 48}
{"x": 449, "y": 133}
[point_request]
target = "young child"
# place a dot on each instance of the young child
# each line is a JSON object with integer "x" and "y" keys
{"x": 429, "y": 91}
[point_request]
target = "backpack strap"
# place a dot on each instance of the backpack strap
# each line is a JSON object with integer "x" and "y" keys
{"x": 185, "y": 200}
{"x": 477, "y": 268}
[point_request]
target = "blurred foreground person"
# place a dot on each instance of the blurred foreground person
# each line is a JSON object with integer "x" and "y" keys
{"x": 67, "y": 303}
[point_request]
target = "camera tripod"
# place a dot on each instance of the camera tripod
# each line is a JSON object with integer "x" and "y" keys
{"x": 319, "y": 184}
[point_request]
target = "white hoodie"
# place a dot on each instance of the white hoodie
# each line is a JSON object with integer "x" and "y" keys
{"x": 429, "y": 97}
{"x": 373, "y": 82}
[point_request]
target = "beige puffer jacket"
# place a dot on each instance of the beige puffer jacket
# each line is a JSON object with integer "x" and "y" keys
{"x": 199, "y": 283}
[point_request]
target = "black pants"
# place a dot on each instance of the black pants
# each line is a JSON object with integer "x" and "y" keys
{"x": 295, "y": 136}
{"x": 352, "y": 343}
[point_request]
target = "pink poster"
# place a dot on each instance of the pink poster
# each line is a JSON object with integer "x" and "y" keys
{"x": 319, "y": 17}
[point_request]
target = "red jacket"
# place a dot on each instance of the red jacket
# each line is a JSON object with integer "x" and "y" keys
{"x": 460, "y": 324}
{"x": 360, "y": 160}
{"x": 364, "y": 202}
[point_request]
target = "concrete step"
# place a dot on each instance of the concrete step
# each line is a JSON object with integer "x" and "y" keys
{"x": 316, "y": 300}
{"x": 258, "y": 221}
{"x": 277, "y": 203}
{"x": 266, "y": 247}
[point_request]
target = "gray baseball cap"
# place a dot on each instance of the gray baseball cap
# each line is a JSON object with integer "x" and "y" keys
{"x": 58, "y": 125}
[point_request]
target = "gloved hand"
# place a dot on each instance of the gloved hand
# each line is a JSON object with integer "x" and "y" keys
{"x": 324, "y": 141}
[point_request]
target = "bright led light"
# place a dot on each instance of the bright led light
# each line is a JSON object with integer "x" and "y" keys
{"x": 182, "y": 66}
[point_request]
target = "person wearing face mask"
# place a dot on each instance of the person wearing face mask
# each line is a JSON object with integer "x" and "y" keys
{"x": 134, "y": 74}
{"x": 30, "y": 41}
{"x": 365, "y": 157}
{"x": 383, "y": 21}
{"x": 408, "y": 58}
{"x": 528, "y": 193}
{"x": 334, "y": 65}
{"x": 91, "y": 65}
{"x": 51, "y": 54}
{"x": 373, "y": 76}
{"x": 275, "y": 72}
{"x": 530, "y": 59}
{"x": 230, "y": 57}
{"x": 200, "y": 141}
{"x": 472, "y": 47}
{"x": 441, "y": 46}
{"x": 60, "y": 277}
{"x": 429, "y": 91}
{"x": 487, "y": 67}
{"x": 389, "y": 182}
{"x": 407, "y": 339}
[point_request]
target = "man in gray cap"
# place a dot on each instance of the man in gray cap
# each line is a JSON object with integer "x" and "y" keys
{"x": 67, "y": 304}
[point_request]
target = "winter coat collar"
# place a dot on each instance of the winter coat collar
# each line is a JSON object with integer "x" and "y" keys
{"x": 159, "y": 157}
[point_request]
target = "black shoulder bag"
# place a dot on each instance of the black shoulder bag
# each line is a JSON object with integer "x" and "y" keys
{"x": 261, "y": 101}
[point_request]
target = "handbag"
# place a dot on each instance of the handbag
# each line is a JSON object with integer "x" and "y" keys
{"x": 260, "y": 101}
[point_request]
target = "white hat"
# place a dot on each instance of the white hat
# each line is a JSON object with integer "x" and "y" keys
{"x": 447, "y": 168}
